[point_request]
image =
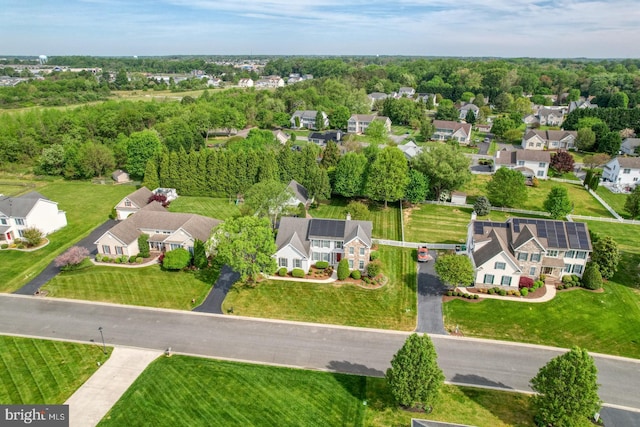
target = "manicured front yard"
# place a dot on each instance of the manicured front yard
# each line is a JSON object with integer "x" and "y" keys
{"x": 391, "y": 307}
{"x": 86, "y": 205}
{"x": 222, "y": 209}
{"x": 148, "y": 286}
{"x": 386, "y": 222}
{"x": 34, "y": 371}
{"x": 199, "y": 392}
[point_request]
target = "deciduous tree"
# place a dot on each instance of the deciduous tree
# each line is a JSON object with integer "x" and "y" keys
{"x": 607, "y": 255}
{"x": 268, "y": 199}
{"x": 414, "y": 377}
{"x": 632, "y": 204}
{"x": 557, "y": 202}
{"x": 417, "y": 188}
{"x": 388, "y": 176}
{"x": 455, "y": 270}
{"x": 446, "y": 168}
{"x": 507, "y": 188}
{"x": 349, "y": 176}
{"x": 567, "y": 390}
{"x": 357, "y": 210}
{"x": 73, "y": 256}
{"x": 141, "y": 147}
{"x": 562, "y": 162}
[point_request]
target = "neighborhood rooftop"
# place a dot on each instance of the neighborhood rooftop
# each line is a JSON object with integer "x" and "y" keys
{"x": 19, "y": 207}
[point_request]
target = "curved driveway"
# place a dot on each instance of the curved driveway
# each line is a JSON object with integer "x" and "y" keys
{"x": 350, "y": 350}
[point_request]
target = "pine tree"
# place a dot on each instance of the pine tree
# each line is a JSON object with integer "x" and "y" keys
{"x": 415, "y": 377}
{"x": 151, "y": 180}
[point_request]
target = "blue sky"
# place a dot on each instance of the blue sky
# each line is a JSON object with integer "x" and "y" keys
{"x": 510, "y": 28}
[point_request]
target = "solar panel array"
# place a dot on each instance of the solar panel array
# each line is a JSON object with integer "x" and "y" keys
{"x": 559, "y": 234}
{"x": 326, "y": 228}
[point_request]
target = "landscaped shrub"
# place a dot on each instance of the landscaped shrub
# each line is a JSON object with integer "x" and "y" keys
{"x": 118, "y": 260}
{"x": 449, "y": 293}
{"x": 538, "y": 284}
{"x": 32, "y": 236}
{"x": 355, "y": 274}
{"x": 4, "y": 246}
{"x": 524, "y": 292}
{"x": 176, "y": 259}
{"x": 73, "y": 255}
{"x": 98, "y": 257}
{"x": 491, "y": 291}
{"x": 374, "y": 268}
{"x": 475, "y": 296}
{"x": 566, "y": 279}
{"x": 321, "y": 265}
{"x": 282, "y": 271}
{"x": 297, "y": 272}
{"x": 525, "y": 282}
{"x": 343, "y": 269}
{"x": 502, "y": 292}
{"x": 374, "y": 255}
{"x": 132, "y": 259}
{"x": 143, "y": 245}
{"x": 139, "y": 260}
{"x": 592, "y": 278}
{"x": 366, "y": 280}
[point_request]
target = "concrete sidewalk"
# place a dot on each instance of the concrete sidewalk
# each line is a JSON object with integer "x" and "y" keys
{"x": 90, "y": 403}
{"x": 548, "y": 295}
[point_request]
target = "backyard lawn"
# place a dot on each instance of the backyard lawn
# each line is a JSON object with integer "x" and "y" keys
{"x": 184, "y": 390}
{"x": 147, "y": 286}
{"x": 37, "y": 371}
{"x": 391, "y": 307}
{"x": 615, "y": 200}
{"x": 86, "y": 205}
{"x": 222, "y": 209}
{"x": 386, "y": 222}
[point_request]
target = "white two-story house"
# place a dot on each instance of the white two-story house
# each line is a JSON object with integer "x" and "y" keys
{"x": 301, "y": 242}
{"x": 308, "y": 119}
{"x": 446, "y": 130}
{"x": 31, "y": 210}
{"x": 503, "y": 252}
{"x": 535, "y": 139}
{"x": 623, "y": 171}
{"x": 530, "y": 163}
{"x": 358, "y": 123}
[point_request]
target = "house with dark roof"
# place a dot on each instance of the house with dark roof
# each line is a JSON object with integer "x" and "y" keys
{"x": 446, "y": 130}
{"x": 166, "y": 230}
{"x": 629, "y": 146}
{"x": 322, "y": 138}
{"x": 133, "y": 202}
{"x": 307, "y": 119}
{"x": 300, "y": 195}
{"x": 531, "y": 163}
{"x": 31, "y": 210}
{"x": 301, "y": 242}
{"x": 465, "y": 108}
{"x": 535, "y": 139}
{"x": 623, "y": 171}
{"x": 503, "y": 252}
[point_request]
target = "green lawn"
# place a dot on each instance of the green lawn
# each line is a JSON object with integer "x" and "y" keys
{"x": 386, "y": 222}
{"x": 184, "y": 390}
{"x": 615, "y": 200}
{"x": 222, "y": 209}
{"x": 391, "y": 307}
{"x": 148, "y": 286}
{"x": 34, "y": 371}
{"x": 86, "y": 205}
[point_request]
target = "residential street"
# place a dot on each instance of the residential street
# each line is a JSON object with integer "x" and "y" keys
{"x": 351, "y": 350}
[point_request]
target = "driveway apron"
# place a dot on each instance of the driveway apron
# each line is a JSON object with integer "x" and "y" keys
{"x": 213, "y": 301}
{"x": 430, "y": 290}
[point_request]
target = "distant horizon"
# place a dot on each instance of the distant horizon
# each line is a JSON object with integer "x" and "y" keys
{"x": 589, "y": 29}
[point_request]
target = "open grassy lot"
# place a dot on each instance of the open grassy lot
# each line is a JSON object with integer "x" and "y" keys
{"x": 222, "y": 209}
{"x": 386, "y": 222}
{"x": 34, "y": 371}
{"x": 391, "y": 307}
{"x": 615, "y": 200}
{"x": 86, "y": 205}
{"x": 626, "y": 235}
{"x": 200, "y": 392}
{"x": 584, "y": 203}
{"x": 147, "y": 286}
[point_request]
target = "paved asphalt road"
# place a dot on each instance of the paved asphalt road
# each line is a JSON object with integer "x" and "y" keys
{"x": 213, "y": 302}
{"x": 51, "y": 270}
{"x": 350, "y": 350}
{"x": 430, "y": 290}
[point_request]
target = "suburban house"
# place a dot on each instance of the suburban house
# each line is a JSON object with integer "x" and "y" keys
{"x": 629, "y": 146}
{"x": 406, "y": 92}
{"x": 623, "y": 171}
{"x": 300, "y": 195}
{"x": 166, "y": 231}
{"x": 307, "y": 119}
{"x": 269, "y": 82}
{"x": 301, "y": 242}
{"x": 31, "y": 210}
{"x": 464, "y": 110}
{"x": 377, "y": 96}
{"x": 529, "y": 162}
{"x": 486, "y": 128}
{"x": 446, "y": 130}
{"x": 322, "y": 138}
{"x": 280, "y": 136}
{"x": 535, "y": 139}
{"x": 120, "y": 176}
{"x": 133, "y": 202}
{"x": 503, "y": 252}
{"x": 245, "y": 83}
{"x": 550, "y": 116}
{"x": 581, "y": 103}
{"x": 214, "y": 82}
{"x": 410, "y": 149}
{"x": 358, "y": 123}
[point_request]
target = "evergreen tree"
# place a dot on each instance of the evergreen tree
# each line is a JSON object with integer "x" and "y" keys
{"x": 567, "y": 390}
{"x": 343, "y": 269}
{"x": 482, "y": 206}
{"x": 268, "y": 168}
{"x": 592, "y": 278}
{"x": 164, "y": 177}
{"x": 330, "y": 155}
{"x": 415, "y": 377}
{"x": 606, "y": 255}
{"x": 151, "y": 180}
{"x": 470, "y": 117}
{"x": 632, "y": 203}
{"x": 199, "y": 255}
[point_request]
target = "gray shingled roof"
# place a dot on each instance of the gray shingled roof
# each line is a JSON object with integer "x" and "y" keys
{"x": 629, "y": 162}
{"x": 550, "y": 135}
{"x": 491, "y": 249}
{"x": 299, "y": 191}
{"x": 454, "y": 126}
{"x": 140, "y": 197}
{"x": 533, "y": 155}
{"x": 19, "y": 207}
{"x": 291, "y": 229}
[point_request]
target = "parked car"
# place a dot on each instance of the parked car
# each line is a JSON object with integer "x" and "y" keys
{"x": 487, "y": 140}
{"x": 423, "y": 254}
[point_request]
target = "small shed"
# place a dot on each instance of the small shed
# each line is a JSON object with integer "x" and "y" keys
{"x": 120, "y": 176}
{"x": 458, "y": 198}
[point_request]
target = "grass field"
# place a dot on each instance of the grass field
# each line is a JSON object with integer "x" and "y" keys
{"x": 222, "y": 209}
{"x": 86, "y": 205}
{"x": 626, "y": 235}
{"x": 34, "y": 371}
{"x": 386, "y": 222}
{"x": 391, "y": 307}
{"x": 199, "y": 392}
{"x": 615, "y": 200}
{"x": 147, "y": 286}
{"x": 584, "y": 203}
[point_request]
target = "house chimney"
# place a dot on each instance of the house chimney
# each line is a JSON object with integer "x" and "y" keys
{"x": 498, "y": 154}
{"x": 348, "y": 216}
{"x": 474, "y": 215}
